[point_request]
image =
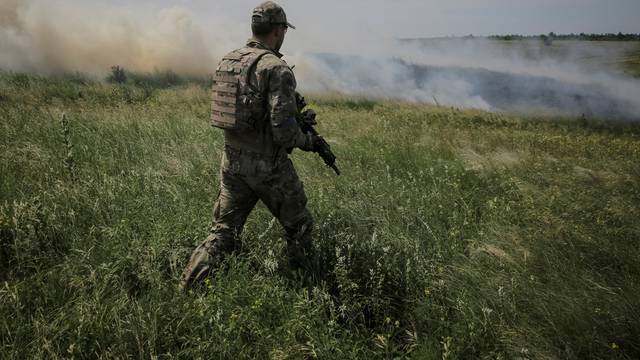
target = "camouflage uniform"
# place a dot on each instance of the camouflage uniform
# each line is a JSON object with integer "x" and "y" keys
{"x": 255, "y": 166}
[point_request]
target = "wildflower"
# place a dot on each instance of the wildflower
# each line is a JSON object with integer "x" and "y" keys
{"x": 381, "y": 341}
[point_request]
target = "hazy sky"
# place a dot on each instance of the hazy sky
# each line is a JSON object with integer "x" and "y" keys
{"x": 416, "y": 18}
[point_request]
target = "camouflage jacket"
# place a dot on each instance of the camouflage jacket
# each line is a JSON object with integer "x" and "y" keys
{"x": 279, "y": 130}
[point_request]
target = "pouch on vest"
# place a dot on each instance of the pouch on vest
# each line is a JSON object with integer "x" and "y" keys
{"x": 235, "y": 104}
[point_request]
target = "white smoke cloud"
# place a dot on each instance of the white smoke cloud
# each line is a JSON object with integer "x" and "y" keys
{"x": 485, "y": 74}
{"x": 88, "y": 36}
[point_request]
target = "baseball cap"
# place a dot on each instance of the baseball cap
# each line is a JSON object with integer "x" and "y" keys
{"x": 269, "y": 12}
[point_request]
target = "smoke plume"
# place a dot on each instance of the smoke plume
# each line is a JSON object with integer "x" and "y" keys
{"x": 54, "y": 36}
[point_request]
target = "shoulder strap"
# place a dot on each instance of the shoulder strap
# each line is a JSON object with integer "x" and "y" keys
{"x": 233, "y": 56}
{"x": 253, "y": 60}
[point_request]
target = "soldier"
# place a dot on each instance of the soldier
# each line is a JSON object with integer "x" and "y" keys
{"x": 254, "y": 102}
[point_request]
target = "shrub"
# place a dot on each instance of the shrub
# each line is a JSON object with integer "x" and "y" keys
{"x": 118, "y": 75}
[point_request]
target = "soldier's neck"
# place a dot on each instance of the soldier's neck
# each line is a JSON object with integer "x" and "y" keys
{"x": 270, "y": 41}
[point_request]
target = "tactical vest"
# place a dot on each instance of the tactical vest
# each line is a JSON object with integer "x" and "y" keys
{"x": 235, "y": 103}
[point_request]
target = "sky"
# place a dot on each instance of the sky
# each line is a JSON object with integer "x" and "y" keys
{"x": 433, "y": 18}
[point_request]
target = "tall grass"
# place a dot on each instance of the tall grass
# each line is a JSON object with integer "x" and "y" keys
{"x": 451, "y": 234}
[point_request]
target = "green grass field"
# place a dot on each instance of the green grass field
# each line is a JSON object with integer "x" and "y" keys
{"x": 451, "y": 234}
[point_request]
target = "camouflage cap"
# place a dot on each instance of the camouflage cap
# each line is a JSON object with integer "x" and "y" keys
{"x": 269, "y": 12}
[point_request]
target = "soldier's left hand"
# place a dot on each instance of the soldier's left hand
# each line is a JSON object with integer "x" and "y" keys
{"x": 317, "y": 142}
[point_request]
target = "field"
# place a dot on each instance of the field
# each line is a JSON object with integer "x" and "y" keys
{"x": 614, "y": 56}
{"x": 632, "y": 63}
{"x": 451, "y": 233}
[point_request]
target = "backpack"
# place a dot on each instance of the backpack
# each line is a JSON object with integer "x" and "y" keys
{"x": 236, "y": 104}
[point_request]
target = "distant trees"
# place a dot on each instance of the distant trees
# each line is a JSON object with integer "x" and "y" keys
{"x": 548, "y": 38}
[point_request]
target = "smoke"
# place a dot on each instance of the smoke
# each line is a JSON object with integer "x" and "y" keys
{"x": 65, "y": 36}
{"x": 54, "y": 36}
{"x": 384, "y": 78}
{"x": 491, "y": 75}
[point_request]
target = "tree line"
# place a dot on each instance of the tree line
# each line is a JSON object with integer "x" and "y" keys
{"x": 582, "y": 36}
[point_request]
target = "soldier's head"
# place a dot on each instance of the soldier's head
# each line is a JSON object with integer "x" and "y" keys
{"x": 269, "y": 23}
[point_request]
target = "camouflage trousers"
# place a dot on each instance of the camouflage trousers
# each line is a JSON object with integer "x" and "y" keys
{"x": 245, "y": 179}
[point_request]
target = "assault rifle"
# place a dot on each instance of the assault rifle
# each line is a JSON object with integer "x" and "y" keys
{"x": 306, "y": 120}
